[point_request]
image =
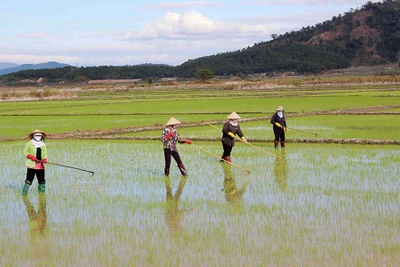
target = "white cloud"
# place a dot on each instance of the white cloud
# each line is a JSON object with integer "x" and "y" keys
{"x": 176, "y": 26}
{"x": 163, "y": 28}
{"x": 193, "y": 25}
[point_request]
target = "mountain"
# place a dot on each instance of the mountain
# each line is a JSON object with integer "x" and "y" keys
{"x": 5, "y": 65}
{"x": 365, "y": 36}
{"x": 47, "y": 65}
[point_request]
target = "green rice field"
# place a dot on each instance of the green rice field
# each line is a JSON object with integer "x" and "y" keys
{"x": 325, "y": 205}
{"x": 328, "y": 199}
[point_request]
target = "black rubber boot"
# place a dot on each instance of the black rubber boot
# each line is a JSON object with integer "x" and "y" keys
{"x": 276, "y": 143}
{"x": 182, "y": 169}
{"x": 166, "y": 171}
{"x": 222, "y": 158}
{"x": 282, "y": 143}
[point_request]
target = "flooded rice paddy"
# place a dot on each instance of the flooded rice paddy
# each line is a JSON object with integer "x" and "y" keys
{"x": 326, "y": 205}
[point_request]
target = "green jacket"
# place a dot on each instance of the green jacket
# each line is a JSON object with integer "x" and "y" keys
{"x": 30, "y": 149}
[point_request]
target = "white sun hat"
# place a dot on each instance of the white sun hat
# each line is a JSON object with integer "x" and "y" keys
{"x": 280, "y": 108}
{"x": 172, "y": 121}
{"x": 233, "y": 116}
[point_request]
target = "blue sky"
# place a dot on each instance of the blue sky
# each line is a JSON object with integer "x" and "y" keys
{"x": 122, "y": 32}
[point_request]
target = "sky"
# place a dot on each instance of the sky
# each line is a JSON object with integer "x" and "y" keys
{"x": 131, "y": 32}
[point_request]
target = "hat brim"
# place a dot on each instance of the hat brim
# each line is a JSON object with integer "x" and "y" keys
{"x": 172, "y": 121}
{"x": 233, "y": 116}
{"x": 36, "y": 132}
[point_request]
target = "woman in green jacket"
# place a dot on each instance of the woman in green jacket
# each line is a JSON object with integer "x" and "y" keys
{"x": 35, "y": 152}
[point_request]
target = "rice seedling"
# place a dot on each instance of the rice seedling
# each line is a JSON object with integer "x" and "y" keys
{"x": 326, "y": 205}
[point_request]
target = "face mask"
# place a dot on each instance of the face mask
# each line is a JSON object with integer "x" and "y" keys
{"x": 37, "y": 137}
{"x": 280, "y": 114}
{"x": 233, "y": 122}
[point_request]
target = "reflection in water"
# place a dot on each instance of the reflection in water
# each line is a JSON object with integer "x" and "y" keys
{"x": 280, "y": 171}
{"x": 39, "y": 232}
{"x": 173, "y": 214}
{"x": 233, "y": 195}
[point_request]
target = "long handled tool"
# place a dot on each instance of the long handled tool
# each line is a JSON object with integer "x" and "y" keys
{"x": 247, "y": 143}
{"x": 302, "y": 131}
{"x": 202, "y": 149}
{"x": 256, "y": 147}
{"x": 66, "y": 166}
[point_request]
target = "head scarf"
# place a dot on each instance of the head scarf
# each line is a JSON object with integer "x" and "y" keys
{"x": 37, "y": 140}
{"x": 233, "y": 122}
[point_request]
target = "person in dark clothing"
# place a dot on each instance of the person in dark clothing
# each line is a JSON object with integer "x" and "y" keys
{"x": 278, "y": 120}
{"x": 233, "y": 194}
{"x": 174, "y": 215}
{"x": 230, "y": 129}
{"x": 169, "y": 138}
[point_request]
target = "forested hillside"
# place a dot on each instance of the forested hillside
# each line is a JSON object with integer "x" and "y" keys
{"x": 366, "y": 36}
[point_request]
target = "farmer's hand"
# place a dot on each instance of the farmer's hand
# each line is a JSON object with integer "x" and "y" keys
{"x": 244, "y": 139}
{"x": 278, "y": 124}
{"x": 171, "y": 134}
{"x": 187, "y": 141}
{"x": 231, "y": 134}
{"x": 44, "y": 161}
{"x": 31, "y": 157}
{"x": 286, "y": 129}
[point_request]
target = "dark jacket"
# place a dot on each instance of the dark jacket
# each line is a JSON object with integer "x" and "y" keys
{"x": 226, "y": 139}
{"x": 276, "y": 118}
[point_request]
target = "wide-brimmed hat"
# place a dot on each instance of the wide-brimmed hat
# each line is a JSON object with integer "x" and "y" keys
{"x": 36, "y": 132}
{"x": 172, "y": 121}
{"x": 233, "y": 116}
{"x": 280, "y": 108}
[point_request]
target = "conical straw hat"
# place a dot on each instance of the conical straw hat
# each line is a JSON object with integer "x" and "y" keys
{"x": 35, "y": 132}
{"x": 172, "y": 121}
{"x": 233, "y": 116}
{"x": 280, "y": 108}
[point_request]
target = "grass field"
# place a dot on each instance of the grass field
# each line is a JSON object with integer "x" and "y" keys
{"x": 325, "y": 205}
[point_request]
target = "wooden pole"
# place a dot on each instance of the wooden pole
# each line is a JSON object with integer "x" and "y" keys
{"x": 247, "y": 143}
{"x": 202, "y": 149}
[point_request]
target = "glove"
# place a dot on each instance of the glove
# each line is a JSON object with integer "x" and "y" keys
{"x": 278, "y": 124}
{"x": 231, "y": 134}
{"x": 188, "y": 142}
{"x": 31, "y": 157}
{"x": 286, "y": 129}
{"x": 171, "y": 134}
{"x": 44, "y": 161}
{"x": 244, "y": 139}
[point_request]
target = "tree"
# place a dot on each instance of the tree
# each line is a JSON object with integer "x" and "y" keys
{"x": 204, "y": 74}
